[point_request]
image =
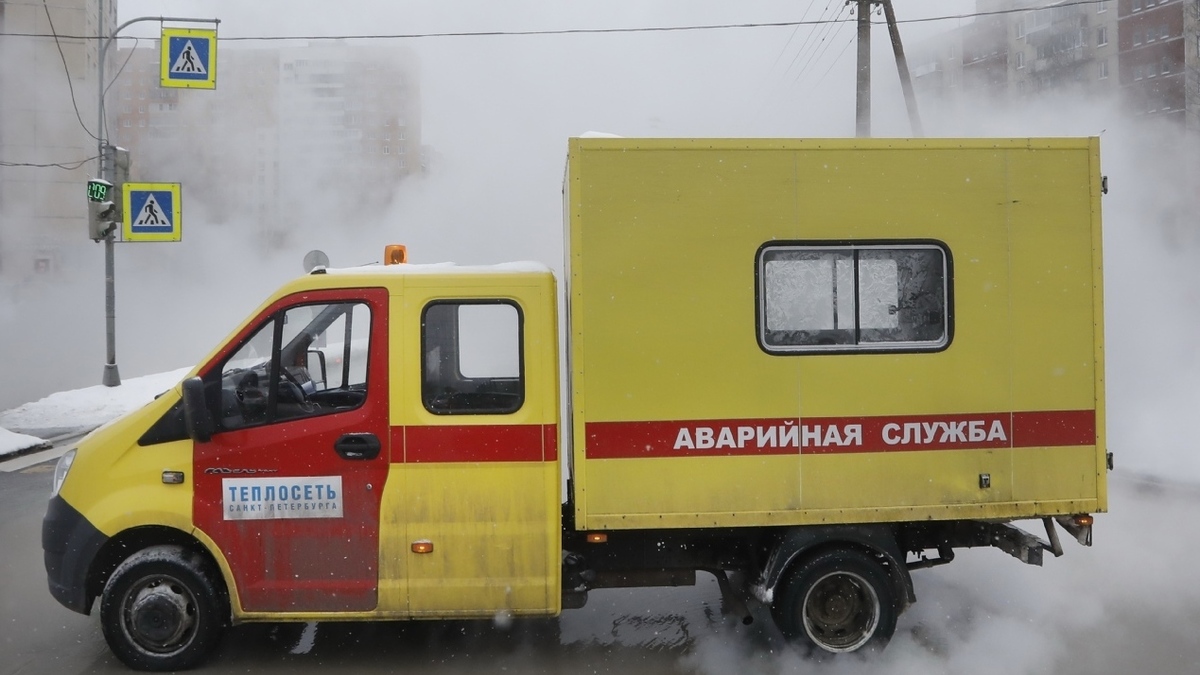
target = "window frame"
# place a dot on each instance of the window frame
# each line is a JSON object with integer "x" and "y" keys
{"x": 842, "y": 245}
{"x": 523, "y": 396}
{"x": 215, "y": 374}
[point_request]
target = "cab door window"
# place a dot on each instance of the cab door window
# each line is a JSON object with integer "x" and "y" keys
{"x": 472, "y": 360}
{"x": 304, "y": 361}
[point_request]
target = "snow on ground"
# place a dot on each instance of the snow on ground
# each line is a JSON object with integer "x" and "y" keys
{"x": 27, "y": 426}
{"x": 11, "y": 442}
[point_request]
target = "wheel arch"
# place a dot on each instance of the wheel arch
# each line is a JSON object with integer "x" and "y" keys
{"x": 800, "y": 543}
{"x": 128, "y": 542}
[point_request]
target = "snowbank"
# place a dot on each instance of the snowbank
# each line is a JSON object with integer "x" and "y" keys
{"x": 11, "y": 443}
{"x": 79, "y": 409}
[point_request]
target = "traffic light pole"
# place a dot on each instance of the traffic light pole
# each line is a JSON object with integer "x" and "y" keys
{"x": 112, "y": 377}
{"x": 107, "y": 154}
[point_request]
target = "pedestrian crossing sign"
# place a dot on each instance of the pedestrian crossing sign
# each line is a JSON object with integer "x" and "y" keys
{"x": 188, "y": 58}
{"x": 151, "y": 212}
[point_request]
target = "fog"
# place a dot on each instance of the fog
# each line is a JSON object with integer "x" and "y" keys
{"x": 496, "y": 112}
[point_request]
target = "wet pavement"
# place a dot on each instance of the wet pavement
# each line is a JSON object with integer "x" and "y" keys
{"x": 1129, "y": 604}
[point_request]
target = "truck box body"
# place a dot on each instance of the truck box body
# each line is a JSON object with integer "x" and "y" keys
{"x": 686, "y": 413}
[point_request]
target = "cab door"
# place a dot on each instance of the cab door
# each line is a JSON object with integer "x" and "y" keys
{"x": 480, "y": 453}
{"x": 289, "y": 486}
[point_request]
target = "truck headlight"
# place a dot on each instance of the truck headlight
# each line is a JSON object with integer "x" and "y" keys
{"x": 61, "y": 469}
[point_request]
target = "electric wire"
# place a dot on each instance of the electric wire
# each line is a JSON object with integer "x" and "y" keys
{"x": 853, "y": 37}
{"x": 836, "y": 59}
{"x": 69, "y": 166}
{"x": 579, "y": 31}
{"x": 104, "y": 96}
{"x": 792, "y": 36}
{"x": 816, "y": 34}
{"x": 66, "y": 70}
{"x": 820, "y": 47}
{"x": 808, "y": 36}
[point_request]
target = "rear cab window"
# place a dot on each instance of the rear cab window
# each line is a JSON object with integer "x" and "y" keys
{"x": 472, "y": 357}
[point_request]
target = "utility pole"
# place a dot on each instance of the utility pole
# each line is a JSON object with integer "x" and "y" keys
{"x": 108, "y": 161}
{"x": 863, "y": 99}
{"x": 910, "y": 98}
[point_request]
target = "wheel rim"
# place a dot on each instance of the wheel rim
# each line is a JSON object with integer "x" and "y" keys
{"x": 159, "y": 614}
{"x": 840, "y": 612}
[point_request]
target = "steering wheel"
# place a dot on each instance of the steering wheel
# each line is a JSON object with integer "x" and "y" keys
{"x": 290, "y": 388}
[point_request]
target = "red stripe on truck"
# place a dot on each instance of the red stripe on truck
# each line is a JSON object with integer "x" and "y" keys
{"x": 829, "y": 435}
{"x": 475, "y": 443}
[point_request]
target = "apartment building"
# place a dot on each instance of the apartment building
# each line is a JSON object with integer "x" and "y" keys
{"x": 47, "y": 116}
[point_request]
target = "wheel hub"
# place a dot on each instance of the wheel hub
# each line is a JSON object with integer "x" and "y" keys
{"x": 841, "y": 612}
{"x": 160, "y": 615}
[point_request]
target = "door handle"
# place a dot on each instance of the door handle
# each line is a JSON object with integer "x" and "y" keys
{"x": 358, "y": 445}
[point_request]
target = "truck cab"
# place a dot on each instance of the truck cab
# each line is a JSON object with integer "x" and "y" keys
{"x": 321, "y": 479}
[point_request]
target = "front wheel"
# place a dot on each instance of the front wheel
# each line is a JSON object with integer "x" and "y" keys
{"x": 161, "y": 610}
{"x": 839, "y": 600}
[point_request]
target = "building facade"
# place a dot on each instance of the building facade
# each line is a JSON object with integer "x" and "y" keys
{"x": 47, "y": 116}
{"x": 1020, "y": 48}
{"x": 1154, "y": 57}
{"x": 322, "y": 132}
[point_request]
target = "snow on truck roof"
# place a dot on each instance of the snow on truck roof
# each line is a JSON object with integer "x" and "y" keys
{"x": 443, "y": 268}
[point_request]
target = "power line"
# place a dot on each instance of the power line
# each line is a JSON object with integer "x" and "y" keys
{"x": 791, "y": 37}
{"x": 836, "y": 59}
{"x": 821, "y": 46}
{"x": 584, "y": 31}
{"x": 808, "y": 36}
{"x": 66, "y": 70}
{"x": 113, "y": 81}
{"x": 826, "y": 49}
{"x": 818, "y": 34}
{"x": 69, "y": 166}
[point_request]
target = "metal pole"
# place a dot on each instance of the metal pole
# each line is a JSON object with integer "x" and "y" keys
{"x": 112, "y": 376}
{"x": 863, "y": 107}
{"x": 910, "y": 98}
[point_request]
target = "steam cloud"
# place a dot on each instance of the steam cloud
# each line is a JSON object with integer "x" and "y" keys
{"x": 497, "y": 112}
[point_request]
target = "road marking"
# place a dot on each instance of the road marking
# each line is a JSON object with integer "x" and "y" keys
{"x": 26, "y": 461}
{"x": 307, "y": 638}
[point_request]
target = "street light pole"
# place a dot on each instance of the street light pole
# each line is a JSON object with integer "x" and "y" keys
{"x": 112, "y": 376}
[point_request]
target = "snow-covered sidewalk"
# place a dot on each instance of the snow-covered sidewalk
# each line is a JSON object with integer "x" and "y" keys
{"x": 28, "y": 426}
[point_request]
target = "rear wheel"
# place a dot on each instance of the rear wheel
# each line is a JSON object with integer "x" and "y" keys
{"x": 839, "y": 600}
{"x": 161, "y": 610}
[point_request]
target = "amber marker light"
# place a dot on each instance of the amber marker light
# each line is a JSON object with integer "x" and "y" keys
{"x": 395, "y": 254}
{"x": 1083, "y": 520}
{"x": 422, "y": 546}
{"x": 597, "y": 537}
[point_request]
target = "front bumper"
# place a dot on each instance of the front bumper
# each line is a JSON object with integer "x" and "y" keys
{"x": 70, "y": 544}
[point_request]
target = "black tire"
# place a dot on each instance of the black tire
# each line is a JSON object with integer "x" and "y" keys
{"x": 161, "y": 609}
{"x": 838, "y": 600}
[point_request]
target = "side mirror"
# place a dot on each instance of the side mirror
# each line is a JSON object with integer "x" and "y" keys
{"x": 196, "y": 417}
{"x": 316, "y": 369}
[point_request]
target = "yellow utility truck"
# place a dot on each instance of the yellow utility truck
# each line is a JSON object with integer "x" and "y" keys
{"x": 812, "y": 365}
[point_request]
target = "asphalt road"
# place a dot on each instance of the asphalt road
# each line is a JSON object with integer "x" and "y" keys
{"x": 1129, "y": 604}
